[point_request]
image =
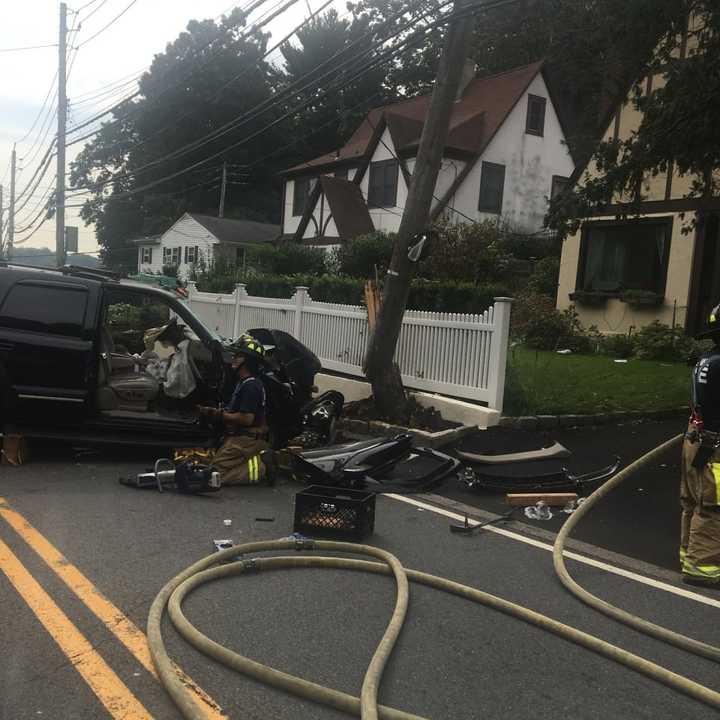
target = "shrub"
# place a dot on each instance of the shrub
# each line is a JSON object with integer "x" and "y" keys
{"x": 617, "y": 346}
{"x": 661, "y": 342}
{"x": 170, "y": 270}
{"x": 360, "y": 257}
{"x": 544, "y": 277}
{"x": 288, "y": 259}
{"x": 471, "y": 252}
{"x": 537, "y": 324}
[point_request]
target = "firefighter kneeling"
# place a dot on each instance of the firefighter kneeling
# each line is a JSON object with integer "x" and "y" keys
{"x": 700, "y": 480}
{"x": 243, "y": 419}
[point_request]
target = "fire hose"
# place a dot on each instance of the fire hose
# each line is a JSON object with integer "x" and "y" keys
{"x": 220, "y": 565}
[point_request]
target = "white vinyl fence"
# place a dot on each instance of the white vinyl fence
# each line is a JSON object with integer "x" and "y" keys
{"x": 448, "y": 353}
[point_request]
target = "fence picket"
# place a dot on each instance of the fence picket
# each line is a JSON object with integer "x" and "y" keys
{"x": 452, "y": 353}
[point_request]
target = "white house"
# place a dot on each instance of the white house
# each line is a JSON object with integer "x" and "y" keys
{"x": 504, "y": 158}
{"x": 201, "y": 237}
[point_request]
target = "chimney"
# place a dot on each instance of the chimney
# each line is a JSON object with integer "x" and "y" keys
{"x": 468, "y": 74}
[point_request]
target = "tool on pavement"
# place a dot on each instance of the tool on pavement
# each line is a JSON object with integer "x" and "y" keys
{"x": 467, "y": 529}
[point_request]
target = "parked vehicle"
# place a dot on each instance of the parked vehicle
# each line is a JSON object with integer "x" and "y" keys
{"x": 85, "y": 355}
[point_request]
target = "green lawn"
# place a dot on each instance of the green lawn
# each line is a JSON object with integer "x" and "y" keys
{"x": 545, "y": 383}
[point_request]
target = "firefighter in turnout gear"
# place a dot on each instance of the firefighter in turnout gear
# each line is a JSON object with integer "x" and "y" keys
{"x": 244, "y": 422}
{"x": 700, "y": 479}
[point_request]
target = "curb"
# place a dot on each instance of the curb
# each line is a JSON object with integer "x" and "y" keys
{"x": 553, "y": 422}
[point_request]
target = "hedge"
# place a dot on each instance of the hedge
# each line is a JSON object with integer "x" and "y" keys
{"x": 438, "y": 296}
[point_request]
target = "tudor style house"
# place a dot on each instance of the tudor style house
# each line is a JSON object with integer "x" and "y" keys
{"x": 194, "y": 238}
{"x": 630, "y": 265}
{"x": 505, "y": 156}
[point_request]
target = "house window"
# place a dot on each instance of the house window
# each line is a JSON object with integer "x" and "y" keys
{"x": 615, "y": 257}
{"x": 382, "y": 191}
{"x": 492, "y": 183}
{"x": 535, "y": 123}
{"x": 301, "y": 193}
{"x": 559, "y": 185}
{"x": 171, "y": 256}
{"x": 191, "y": 254}
{"x": 146, "y": 256}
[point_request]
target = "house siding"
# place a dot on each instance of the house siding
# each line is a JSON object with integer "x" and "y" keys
{"x": 616, "y": 316}
{"x": 530, "y": 163}
{"x": 186, "y": 232}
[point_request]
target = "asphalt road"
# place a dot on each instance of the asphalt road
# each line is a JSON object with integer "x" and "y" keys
{"x": 454, "y": 660}
{"x": 641, "y": 518}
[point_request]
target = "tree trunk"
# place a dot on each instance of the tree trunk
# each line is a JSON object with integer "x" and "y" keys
{"x": 387, "y": 386}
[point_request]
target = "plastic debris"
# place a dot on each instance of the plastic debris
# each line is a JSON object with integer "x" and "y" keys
{"x": 540, "y": 511}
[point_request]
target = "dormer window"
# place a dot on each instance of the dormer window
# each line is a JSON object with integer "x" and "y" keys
{"x": 535, "y": 123}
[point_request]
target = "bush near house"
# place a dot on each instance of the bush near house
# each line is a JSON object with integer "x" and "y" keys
{"x": 365, "y": 256}
{"x": 287, "y": 259}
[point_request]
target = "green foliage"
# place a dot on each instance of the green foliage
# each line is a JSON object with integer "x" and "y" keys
{"x": 668, "y": 134}
{"x": 446, "y": 296}
{"x": 661, "y": 342}
{"x": 544, "y": 277}
{"x": 124, "y": 314}
{"x": 365, "y": 255}
{"x": 170, "y": 270}
{"x": 288, "y": 259}
{"x": 471, "y": 252}
{"x": 539, "y": 326}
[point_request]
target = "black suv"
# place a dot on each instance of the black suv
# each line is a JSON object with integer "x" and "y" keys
{"x": 84, "y": 354}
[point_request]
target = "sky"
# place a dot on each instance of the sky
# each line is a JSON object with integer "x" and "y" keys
{"x": 124, "y": 49}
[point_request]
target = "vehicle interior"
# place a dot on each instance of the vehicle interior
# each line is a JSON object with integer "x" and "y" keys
{"x": 150, "y": 361}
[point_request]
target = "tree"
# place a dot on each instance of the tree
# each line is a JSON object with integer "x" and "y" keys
{"x": 324, "y": 44}
{"x": 679, "y": 126}
{"x": 209, "y": 75}
{"x": 593, "y": 51}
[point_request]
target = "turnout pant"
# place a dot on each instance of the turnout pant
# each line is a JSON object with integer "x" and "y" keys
{"x": 700, "y": 528}
{"x": 238, "y": 460}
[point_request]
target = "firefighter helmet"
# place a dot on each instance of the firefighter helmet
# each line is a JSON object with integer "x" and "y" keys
{"x": 713, "y": 324}
{"x": 246, "y": 345}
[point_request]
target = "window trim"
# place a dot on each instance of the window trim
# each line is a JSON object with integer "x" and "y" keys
{"x": 378, "y": 164}
{"x": 666, "y": 221}
{"x": 187, "y": 253}
{"x": 543, "y": 102}
{"x": 144, "y": 250}
{"x": 485, "y": 208}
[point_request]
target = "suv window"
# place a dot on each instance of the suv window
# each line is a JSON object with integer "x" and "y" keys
{"x": 43, "y": 308}
{"x": 128, "y": 316}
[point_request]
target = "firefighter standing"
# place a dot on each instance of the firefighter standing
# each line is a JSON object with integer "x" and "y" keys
{"x": 243, "y": 419}
{"x": 700, "y": 471}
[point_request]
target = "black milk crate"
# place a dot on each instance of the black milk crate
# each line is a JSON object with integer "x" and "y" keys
{"x": 337, "y": 513}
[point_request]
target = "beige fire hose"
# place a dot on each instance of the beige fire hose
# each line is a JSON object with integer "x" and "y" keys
{"x": 657, "y": 631}
{"x": 219, "y": 565}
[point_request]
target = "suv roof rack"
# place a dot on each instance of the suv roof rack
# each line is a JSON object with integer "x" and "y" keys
{"x": 91, "y": 273}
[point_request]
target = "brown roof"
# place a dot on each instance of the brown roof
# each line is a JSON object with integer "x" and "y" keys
{"x": 238, "y": 231}
{"x": 475, "y": 119}
{"x": 348, "y": 207}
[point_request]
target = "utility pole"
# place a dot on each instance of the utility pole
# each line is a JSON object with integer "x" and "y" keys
{"x": 381, "y": 370}
{"x": 11, "y": 209}
{"x": 62, "y": 119}
{"x": 223, "y": 190}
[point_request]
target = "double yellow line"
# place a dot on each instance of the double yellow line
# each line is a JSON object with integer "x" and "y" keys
{"x": 117, "y": 698}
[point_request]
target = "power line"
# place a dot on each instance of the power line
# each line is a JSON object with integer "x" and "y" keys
{"x": 27, "y": 47}
{"x": 105, "y": 27}
{"x": 254, "y": 28}
{"x": 240, "y": 120}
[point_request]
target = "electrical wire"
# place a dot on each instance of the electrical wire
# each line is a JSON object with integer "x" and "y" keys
{"x": 105, "y": 27}
{"x": 116, "y": 105}
{"x": 292, "y": 89}
{"x": 28, "y": 47}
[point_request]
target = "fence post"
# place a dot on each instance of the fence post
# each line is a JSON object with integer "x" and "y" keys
{"x": 240, "y": 295}
{"x": 301, "y": 295}
{"x": 499, "y": 350}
